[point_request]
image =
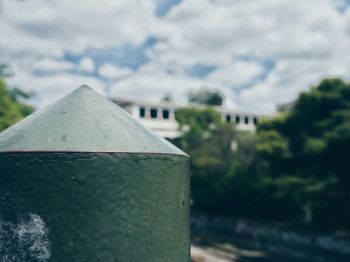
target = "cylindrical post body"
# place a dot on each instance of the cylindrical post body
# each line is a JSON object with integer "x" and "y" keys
{"x": 75, "y": 206}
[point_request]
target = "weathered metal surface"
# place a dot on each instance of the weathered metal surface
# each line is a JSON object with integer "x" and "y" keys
{"x": 82, "y": 199}
{"x": 134, "y": 208}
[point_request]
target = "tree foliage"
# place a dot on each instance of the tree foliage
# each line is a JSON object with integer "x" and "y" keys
{"x": 293, "y": 169}
{"x": 209, "y": 141}
{"x": 12, "y": 109}
{"x": 206, "y": 96}
{"x": 167, "y": 98}
{"x": 307, "y": 150}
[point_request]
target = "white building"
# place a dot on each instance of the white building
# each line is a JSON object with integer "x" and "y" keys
{"x": 160, "y": 117}
{"x": 243, "y": 120}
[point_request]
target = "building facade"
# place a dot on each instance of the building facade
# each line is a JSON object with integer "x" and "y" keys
{"x": 160, "y": 117}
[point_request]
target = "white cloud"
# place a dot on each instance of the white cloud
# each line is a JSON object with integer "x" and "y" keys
{"x": 300, "y": 46}
{"x": 151, "y": 83}
{"x": 76, "y": 25}
{"x": 53, "y": 65}
{"x": 288, "y": 79}
{"x": 87, "y": 65}
{"x": 305, "y": 45}
{"x": 113, "y": 72}
{"x": 236, "y": 73}
{"x": 211, "y": 32}
{"x": 59, "y": 84}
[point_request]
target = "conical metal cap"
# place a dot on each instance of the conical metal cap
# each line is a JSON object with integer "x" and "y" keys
{"x": 83, "y": 121}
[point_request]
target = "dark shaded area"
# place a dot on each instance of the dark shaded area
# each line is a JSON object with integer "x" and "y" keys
{"x": 293, "y": 170}
{"x": 271, "y": 242}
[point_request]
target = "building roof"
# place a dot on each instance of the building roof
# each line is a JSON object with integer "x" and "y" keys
{"x": 128, "y": 101}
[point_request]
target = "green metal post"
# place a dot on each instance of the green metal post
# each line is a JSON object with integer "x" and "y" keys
{"x": 81, "y": 180}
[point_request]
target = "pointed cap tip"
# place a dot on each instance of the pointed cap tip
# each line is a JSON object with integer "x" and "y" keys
{"x": 84, "y": 86}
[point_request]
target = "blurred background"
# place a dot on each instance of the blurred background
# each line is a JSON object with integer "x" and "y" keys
{"x": 256, "y": 92}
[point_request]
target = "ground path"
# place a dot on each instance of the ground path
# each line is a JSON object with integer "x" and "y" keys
{"x": 232, "y": 253}
{"x": 226, "y": 253}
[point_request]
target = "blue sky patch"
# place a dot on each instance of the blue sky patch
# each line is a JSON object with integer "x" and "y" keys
{"x": 127, "y": 55}
{"x": 164, "y": 6}
{"x": 200, "y": 70}
{"x": 342, "y": 6}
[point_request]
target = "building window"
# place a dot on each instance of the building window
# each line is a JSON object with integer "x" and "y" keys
{"x": 228, "y": 118}
{"x": 238, "y": 119}
{"x": 255, "y": 121}
{"x": 246, "y": 120}
{"x": 142, "y": 112}
{"x": 154, "y": 113}
{"x": 165, "y": 114}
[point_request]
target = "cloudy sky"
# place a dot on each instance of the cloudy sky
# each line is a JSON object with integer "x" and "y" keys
{"x": 258, "y": 53}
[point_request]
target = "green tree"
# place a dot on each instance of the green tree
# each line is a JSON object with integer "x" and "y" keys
{"x": 207, "y": 140}
{"x": 167, "y": 98}
{"x": 206, "y": 96}
{"x": 11, "y": 108}
{"x": 306, "y": 151}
